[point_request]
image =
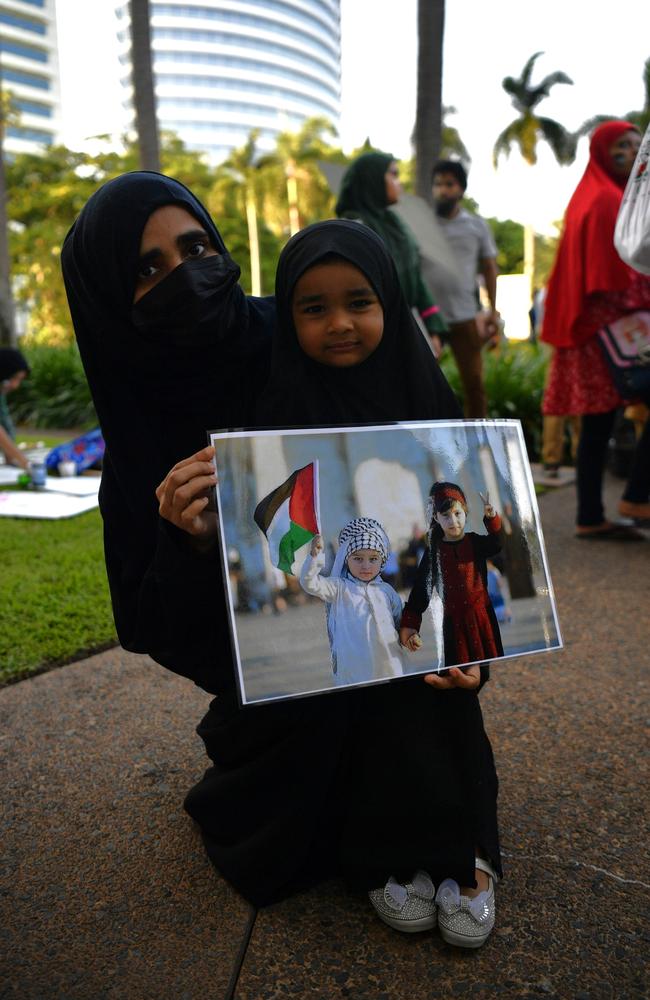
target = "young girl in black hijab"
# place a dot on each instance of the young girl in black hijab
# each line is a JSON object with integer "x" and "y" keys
{"x": 421, "y": 810}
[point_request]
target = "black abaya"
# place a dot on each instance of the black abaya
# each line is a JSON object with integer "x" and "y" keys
{"x": 297, "y": 791}
{"x": 374, "y": 781}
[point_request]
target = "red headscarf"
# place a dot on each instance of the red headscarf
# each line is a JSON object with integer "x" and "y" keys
{"x": 587, "y": 260}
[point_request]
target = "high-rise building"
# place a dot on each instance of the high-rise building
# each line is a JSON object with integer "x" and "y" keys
{"x": 224, "y": 67}
{"x": 29, "y": 69}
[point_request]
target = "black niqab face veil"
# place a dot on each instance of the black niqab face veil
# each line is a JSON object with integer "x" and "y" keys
{"x": 176, "y": 364}
{"x": 400, "y": 380}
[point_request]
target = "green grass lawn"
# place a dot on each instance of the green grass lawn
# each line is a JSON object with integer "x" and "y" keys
{"x": 53, "y": 593}
{"x": 54, "y": 601}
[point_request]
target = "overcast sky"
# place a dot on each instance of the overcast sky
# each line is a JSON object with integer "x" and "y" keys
{"x": 600, "y": 46}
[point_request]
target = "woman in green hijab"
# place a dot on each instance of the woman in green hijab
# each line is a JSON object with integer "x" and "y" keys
{"x": 370, "y": 185}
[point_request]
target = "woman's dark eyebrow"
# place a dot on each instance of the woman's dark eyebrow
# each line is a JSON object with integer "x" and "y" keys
{"x": 182, "y": 241}
{"x": 191, "y": 237}
{"x": 364, "y": 290}
{"x": 150, "y": 255}
{"x": 305, "y": 300}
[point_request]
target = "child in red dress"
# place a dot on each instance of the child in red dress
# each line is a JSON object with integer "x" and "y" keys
{"x": 455, "y": 564}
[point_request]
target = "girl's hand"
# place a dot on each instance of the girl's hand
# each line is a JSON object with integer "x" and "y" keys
{"x": 488, "y": 509}
{"x": 184, "y": 495}
{"x": 468, "y": 678}
{"x": 316, "y": 545}
{"x": 410, "y": 639}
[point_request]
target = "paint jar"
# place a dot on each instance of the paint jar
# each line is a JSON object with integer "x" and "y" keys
{"x": 37, "y": 471}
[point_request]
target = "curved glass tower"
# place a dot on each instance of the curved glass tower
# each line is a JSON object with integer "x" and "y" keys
{"x": 224, "y": 67}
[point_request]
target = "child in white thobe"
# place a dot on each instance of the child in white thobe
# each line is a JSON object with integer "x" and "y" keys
{"x": 363, "y": 611}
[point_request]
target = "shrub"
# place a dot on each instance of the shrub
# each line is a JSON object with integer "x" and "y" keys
{"x": 56, "y": 394}
{"x": 514, "y": 381}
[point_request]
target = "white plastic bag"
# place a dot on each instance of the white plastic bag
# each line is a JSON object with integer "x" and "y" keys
{"x": 632, "y": 233}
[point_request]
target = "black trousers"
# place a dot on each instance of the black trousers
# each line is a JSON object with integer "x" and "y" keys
{"x": 592, "y": 452}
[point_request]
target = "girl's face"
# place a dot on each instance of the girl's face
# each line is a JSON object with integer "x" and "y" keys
{"x": 452, "y": 521}
{"x": 393, "y": 186}
{"x": 364, "y": 564}
{"x": 337, "y": 314}
{"x": 622, "y": 153}
{"x": 172, "y": 235}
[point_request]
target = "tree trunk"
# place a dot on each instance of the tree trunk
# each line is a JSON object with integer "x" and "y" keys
{"x": 144, "y": 100}
{"x": 253, "y": 243}
{"x": 428, "y": 120}
{"x": 292, "y": 198}
{"x": 7, "y": 320}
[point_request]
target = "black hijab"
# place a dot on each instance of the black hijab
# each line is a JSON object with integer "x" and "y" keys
{"x": 189, "y": 357}
{"x": 400, "y": 380}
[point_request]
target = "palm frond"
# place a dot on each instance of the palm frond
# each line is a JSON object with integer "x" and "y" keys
{"x": 562, "y": 142}
{"x": 542, "y": 89}
{"x": 528, "y": 69}
{"x": 514, "y": 133}
{"x": 590, "y": 124}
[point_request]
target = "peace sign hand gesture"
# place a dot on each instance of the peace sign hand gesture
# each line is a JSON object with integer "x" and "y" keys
{"x": 488, "y": 509}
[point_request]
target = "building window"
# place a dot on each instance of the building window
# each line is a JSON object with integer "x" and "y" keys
{"x": 27, "y": 79}
{"x": 22, "y": 22}
{"x": 23, "y": 50}
{"x": 312, "y": 24}
{"x": 29, "y": 134}
{"x": 228, "y": 38}
{"x": 32, "y": 108}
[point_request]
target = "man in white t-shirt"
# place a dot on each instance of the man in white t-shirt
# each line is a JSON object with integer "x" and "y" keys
{"x": 475, "y": 251}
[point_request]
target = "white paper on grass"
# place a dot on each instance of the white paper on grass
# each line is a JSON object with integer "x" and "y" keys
{"x": 44, "y": 505}
{"x": 77, "y": 486}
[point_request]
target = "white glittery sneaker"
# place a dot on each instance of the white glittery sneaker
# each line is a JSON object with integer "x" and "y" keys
{"x": 463, "y": 921}
{"x": 409, "y": 907}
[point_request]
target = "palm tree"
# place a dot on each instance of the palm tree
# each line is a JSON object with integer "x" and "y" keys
{"x": 526, "y": 130}
{"x": 242, "y": 167}
{"x": 428, "y": 117}
{"x": 451, "y": 144}
{"x": 144, "y": 100}
{"x": 294, "y": 160}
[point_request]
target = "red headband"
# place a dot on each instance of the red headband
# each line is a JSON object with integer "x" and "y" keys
{"x": 448, "y": 493}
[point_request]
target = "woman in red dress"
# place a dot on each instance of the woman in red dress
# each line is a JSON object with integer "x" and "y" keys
{"x": 589, "y": 287}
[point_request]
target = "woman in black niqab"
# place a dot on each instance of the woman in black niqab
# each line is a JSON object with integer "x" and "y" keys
{"x": 189, "y": 356}
{"x": 401, "y": 380}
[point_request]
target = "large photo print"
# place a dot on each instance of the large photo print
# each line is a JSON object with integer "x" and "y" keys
{"x": 362, "y": 555}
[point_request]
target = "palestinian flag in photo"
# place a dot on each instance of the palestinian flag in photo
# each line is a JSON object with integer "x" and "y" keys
{"x": 289, "y": 516}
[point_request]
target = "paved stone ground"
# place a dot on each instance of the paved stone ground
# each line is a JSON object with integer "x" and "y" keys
{"x": 106, "y": 892}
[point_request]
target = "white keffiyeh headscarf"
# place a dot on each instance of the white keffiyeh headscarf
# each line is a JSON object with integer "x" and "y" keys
{"x": 361, "y": 533}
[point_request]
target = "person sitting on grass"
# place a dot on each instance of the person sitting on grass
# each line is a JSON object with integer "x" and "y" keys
{"x": 13, "y": 369}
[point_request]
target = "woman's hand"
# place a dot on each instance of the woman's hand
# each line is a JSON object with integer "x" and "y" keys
{"x": 410, "y": 639}
{"x": 184, "y": 495}
{"x": 316, "y": 546}
{"x": 469, "y": 678}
